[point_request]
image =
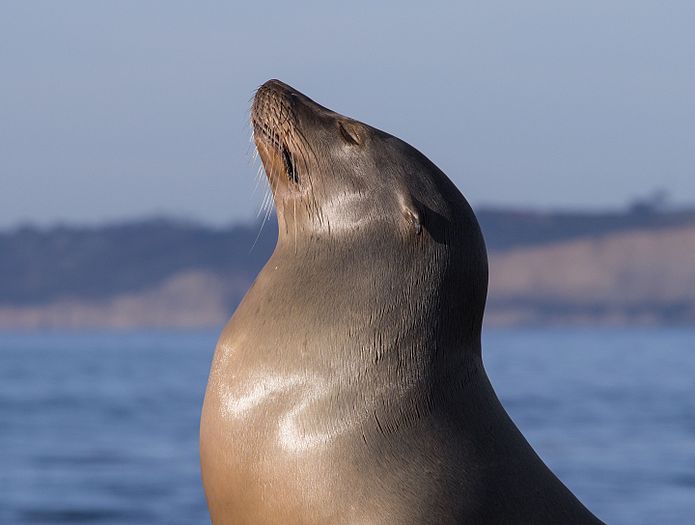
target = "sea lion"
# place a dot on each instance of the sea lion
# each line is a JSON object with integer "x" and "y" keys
{"x": 348, "y": 387}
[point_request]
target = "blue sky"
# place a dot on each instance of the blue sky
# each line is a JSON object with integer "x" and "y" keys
{"x": 114, "y": 110}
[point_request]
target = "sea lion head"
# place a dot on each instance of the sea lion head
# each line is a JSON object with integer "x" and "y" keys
{"x": 342, "y": 184}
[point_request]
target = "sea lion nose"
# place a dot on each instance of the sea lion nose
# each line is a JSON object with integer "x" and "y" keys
{"x": 275, "y": 93}
{"x": 278, "y": 87}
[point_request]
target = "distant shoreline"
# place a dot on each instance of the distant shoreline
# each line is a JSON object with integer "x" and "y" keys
{"x": 546, "y": 269}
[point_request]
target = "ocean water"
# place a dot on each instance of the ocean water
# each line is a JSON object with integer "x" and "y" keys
{"x": 103, "y": 427}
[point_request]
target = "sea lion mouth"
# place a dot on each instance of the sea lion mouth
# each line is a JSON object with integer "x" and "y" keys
{"x": 273, "y": 121}
{"x": 270, "y": 135}
{"x": 290, "y": 165}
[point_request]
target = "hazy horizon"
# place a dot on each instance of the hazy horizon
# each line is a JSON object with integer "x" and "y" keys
{"x": 110, "y": 112}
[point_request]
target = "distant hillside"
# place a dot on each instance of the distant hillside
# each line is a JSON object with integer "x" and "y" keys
{"x": 635, "y": 277}
{"x": 40, "y": 265}
{"x": 507, "y": 229}
{"x": 619, "y": 268}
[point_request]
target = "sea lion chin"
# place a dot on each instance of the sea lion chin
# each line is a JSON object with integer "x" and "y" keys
{"x": 348, "y": 386}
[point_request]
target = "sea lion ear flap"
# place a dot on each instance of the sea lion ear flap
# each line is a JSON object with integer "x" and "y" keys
{"x": 410, "y": 210}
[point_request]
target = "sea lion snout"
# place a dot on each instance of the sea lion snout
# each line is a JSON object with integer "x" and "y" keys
{"x": 278, "y": 104}
{"x": 277, "y": 86}
{"x": 272, "y": 110}
{"x": 273, "y": 119}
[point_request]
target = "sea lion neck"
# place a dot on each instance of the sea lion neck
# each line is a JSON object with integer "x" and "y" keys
{"x": 376, "y": 291}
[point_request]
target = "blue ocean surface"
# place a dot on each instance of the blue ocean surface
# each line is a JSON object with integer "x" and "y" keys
{"x": 103, "y": 427}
